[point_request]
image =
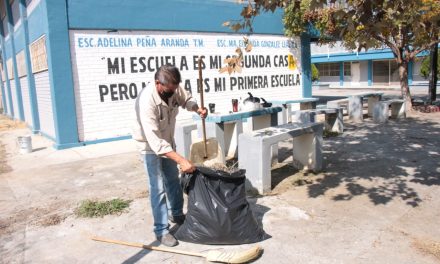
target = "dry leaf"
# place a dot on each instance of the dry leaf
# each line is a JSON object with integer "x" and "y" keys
{"x": 248, "y": 47}
{"x": 224, "y": 69}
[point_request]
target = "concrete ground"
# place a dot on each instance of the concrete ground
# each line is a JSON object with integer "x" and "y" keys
{"x": 375, "y": 202}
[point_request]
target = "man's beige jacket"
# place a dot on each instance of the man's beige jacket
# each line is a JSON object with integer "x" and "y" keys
{"x": 155, "y": 120}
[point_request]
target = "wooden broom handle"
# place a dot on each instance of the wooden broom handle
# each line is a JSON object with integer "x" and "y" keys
{"x": 139, "y": 245}
{"x": 202, "y": 104}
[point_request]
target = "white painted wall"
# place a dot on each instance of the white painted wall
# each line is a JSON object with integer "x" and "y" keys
{"x": 14, "y": 98}
{"x": 44, "y": 101}
{"x": 101, "y": 116}
{"x": 363, "y": 65}
{"x": 26, "y": 100}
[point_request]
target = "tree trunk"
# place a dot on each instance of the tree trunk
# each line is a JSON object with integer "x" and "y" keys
{"x": 403, "y": 74}
{"x": 433, "y": 75}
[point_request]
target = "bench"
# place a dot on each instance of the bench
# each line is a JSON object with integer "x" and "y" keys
{"x": 381, "y": 110}
{"x": 333, "y": 118}
{"x": 254, "y": 151}
{"x": 286, "y": 114}
{"x": 183, "y": 138}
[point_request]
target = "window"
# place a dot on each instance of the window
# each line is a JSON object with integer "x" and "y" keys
{"x": 10, "y": 69}
{"x": 21, "y": 64}
{"x": 38, "y": 55}
{"x": 385, "y": 72}
{"x": 380, "y": 68}
{"x": 347, "y": 68}
{"x": 328, "y": 69}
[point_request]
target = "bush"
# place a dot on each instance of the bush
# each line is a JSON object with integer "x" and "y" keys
{"x": 425, "y": 68}
{"x": 315, "y": 73}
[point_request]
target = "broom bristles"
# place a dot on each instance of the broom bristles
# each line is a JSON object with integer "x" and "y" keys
{"x": 234, "y": 257}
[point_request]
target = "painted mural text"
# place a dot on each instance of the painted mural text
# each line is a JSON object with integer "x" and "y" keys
{"x": 122, "y": 91}
{"x": 119, "y": 91}
{"x": 174, "y": 42}
{"x": 127, "y": 42}
{"x": 121, "y": 65}
{"x": 132, "y": 65}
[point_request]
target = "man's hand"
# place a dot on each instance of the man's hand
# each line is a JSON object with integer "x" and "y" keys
{"x": 186, "y": 166}
{"x": 203, "y": 112}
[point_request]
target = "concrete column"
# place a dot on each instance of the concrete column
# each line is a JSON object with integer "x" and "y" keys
{"x": 306, "y": 65}
{"x": 60, "y": 75}
{"x": 370, "y": 73}
{"x": 341, "y": 73}
{"x": 30, "y": 75}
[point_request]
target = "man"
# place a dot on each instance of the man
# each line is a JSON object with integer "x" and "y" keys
{"x": 156, "y": 110}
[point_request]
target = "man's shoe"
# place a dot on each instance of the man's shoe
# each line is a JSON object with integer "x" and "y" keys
{"x": 168, "y": 240}
{"x": 177, "y": 219}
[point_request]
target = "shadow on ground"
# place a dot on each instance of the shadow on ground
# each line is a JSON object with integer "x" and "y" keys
{"x": 140, "y": 254}
{"x": 381, "y": 161}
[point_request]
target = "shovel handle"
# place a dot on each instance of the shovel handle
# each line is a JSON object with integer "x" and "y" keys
{"x": 202, "y": 104}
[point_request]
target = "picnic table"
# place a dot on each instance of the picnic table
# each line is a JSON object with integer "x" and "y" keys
{"x": 354, "y": 104}
{"x": 227, "y": 127}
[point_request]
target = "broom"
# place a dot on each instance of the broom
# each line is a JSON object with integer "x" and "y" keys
{"x": 212, "y": 255}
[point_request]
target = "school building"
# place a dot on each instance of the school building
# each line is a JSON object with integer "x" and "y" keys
{"x": 71, "y": 69}
{"x": 341, "y": 68}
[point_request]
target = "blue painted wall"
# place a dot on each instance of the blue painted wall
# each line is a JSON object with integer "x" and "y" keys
{"x": 369, "y": 55}
{"x": 175, "y": 15}
{"x": 19, "y": 38}
{"x": 384, "y": 54}
{"x": 37, "y": 22}
{"x": 8, "y": 48}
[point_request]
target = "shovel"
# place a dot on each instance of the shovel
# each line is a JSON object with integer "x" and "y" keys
{"x": 207, "y": 152}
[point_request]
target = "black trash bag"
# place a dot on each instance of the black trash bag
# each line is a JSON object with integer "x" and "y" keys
{"x": 218, "y": 212}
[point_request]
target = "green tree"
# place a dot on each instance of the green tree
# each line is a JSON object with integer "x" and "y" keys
{"x": 425, "y": 67}
{"x": 315, "y": 73}
{"x": 406, "y": 27}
